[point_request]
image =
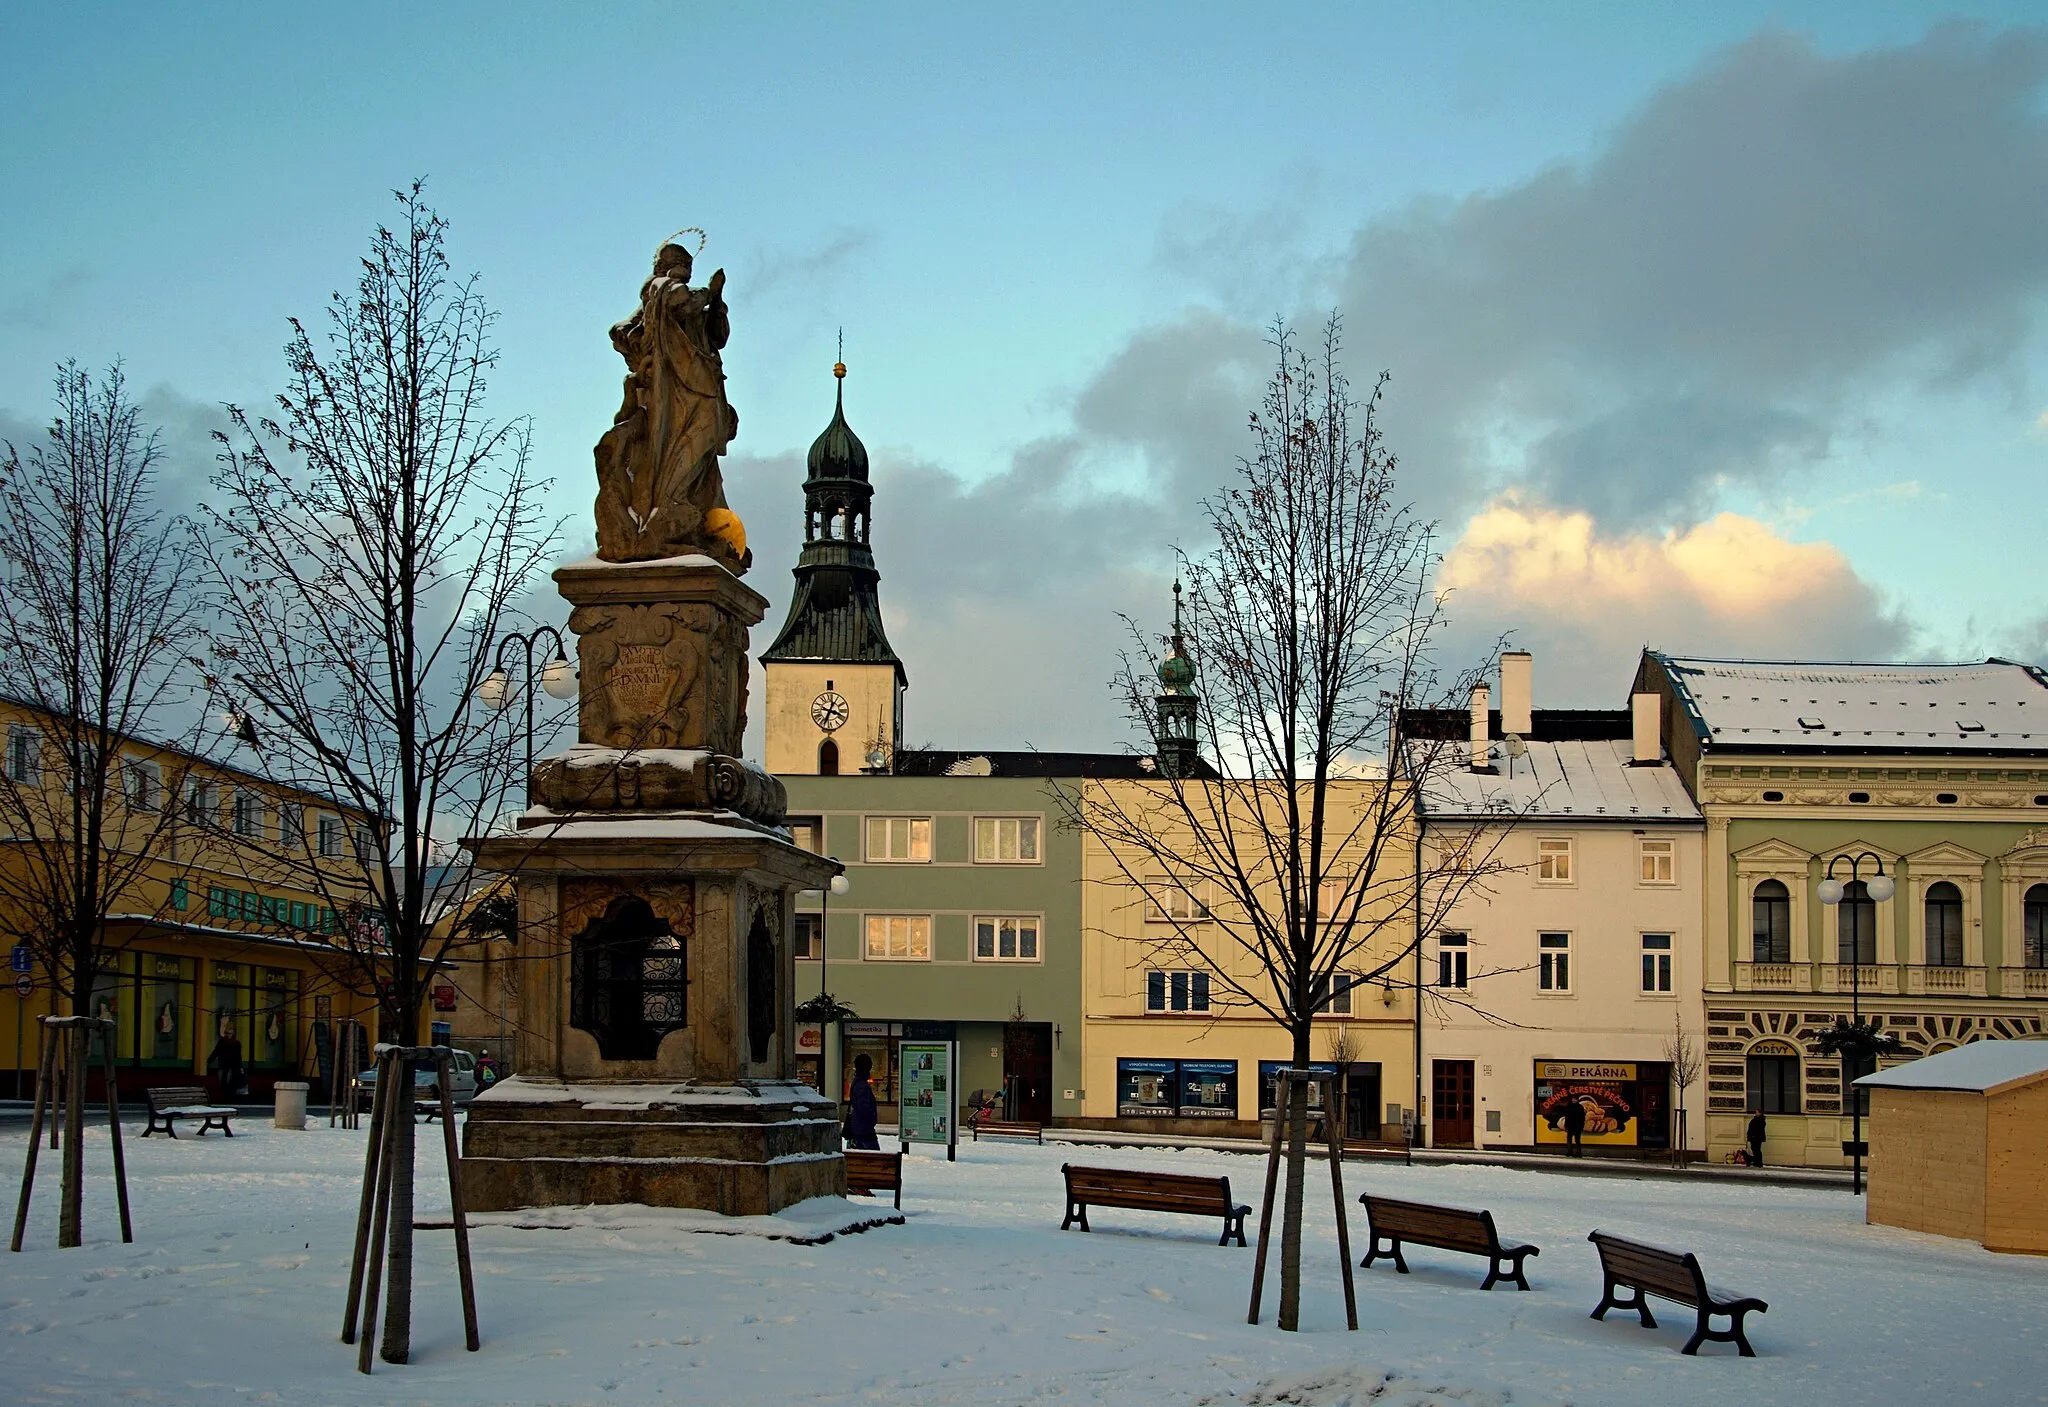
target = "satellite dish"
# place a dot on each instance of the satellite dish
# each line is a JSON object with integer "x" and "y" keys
{"x": 1515, "y": 748}
{"x": 976, "y": 766}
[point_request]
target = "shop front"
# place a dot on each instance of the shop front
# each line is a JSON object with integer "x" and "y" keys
{"x": 1627, "y": 1104}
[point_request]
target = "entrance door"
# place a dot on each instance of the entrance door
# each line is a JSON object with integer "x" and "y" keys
{"x": 1027, "y": 1072}
{"x": 1362, "y": 1100}
{"x": 1451, "y": 1104}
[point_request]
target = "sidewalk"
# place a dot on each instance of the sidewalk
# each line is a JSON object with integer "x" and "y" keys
{"x": 1531, "y": 1162}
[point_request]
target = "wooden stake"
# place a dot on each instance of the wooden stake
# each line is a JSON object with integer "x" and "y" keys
{"x": 474, "y": 1341}
{"x": 372, "y": 1170}
{"x": 1331, "y": 1113}
{"x": 1280, "y": 1113}
{"x": 44, "y": 1076}
{"x": 380, "y": 1221}
{"x": 114, "y": 1130}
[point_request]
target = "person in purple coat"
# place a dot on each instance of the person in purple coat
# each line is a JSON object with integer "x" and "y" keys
{"x": 860, "y": 1116}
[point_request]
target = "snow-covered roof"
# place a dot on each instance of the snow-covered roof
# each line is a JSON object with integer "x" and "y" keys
{"x": 1984, "y": 1066}
{"x": 1582, "y": 779}
{"x": 1991, "y": 706}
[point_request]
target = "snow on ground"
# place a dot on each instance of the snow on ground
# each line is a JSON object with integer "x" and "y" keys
{"x": 233, "y": 1293}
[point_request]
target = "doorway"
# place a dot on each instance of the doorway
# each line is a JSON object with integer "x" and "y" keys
{"x": 1027, "y": 1071}
{"x": 1451, "y": 1104}
{"x": 1362, "y": 1101}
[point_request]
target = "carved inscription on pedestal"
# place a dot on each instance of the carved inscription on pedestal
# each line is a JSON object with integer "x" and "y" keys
{"x": 665, "y": 675}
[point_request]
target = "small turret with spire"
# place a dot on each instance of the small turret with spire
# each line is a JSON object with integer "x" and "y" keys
{"x": 1179, "y": 752}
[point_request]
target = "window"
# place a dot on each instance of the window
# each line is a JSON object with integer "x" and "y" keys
{"x": 145, "y": 785}
{"x": 1554, "y": 962}
{"x": 810, "y": 935}
{"x": 1006, "y": 840}
{"x": 899, "y": 839}
{"x": 1774, "y": 1084}
{"x": 366, "y": 844}
{"x": 1451, "y": 949}
{"x": 1944, "y": 909}
{"x": 807, "y": 833}
{"x": 1006, "y": 940}
{"x": 1657, "y": 962}
{"x": 1172, "y": 900}
{"x": 202, "y": 802}
{"x": 330, "y": 837}
{"x": 24, "y": 755}
{"x": 181, "y": 895}
{"x": 1657, "y": 861}
{"x": 899, "y": 937}
{"x": 1554, "y": 861}
{"x": 1337, "y": 995}
{"x": 828, "y": 758}
{"x": 291, "y": 827}
{"x": 1855, "y": 926}
{"x": 248, "y": 813}
{"x": 1176, "y": 991}
{"x": 1770, "y": 917}
{"x": 2035, "y": 922}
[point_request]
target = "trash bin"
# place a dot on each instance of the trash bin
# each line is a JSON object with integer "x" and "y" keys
{"x": 291, "y": 1104}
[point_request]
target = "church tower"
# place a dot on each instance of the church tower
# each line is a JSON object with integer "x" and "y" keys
{"x": 1177, "y": 743}
{"x": 835, "y": 688}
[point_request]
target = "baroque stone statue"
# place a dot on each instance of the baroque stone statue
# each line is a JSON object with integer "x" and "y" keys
{"x": 659, "y": 492}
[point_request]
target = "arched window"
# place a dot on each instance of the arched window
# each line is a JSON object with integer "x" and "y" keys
{"x": 1944, "y": 925}
{"x": 627, "y": 982}
{"x": 839, "y": 520}
{"x": 1773, "y": 1083}
{"x": 1856, "y": 925}
{"x": 1770, "y": 908}
{"x": 2036, "y": 926}
{"x": 828, "y": 758}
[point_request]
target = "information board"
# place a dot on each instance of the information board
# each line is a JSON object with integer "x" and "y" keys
{"x": 928, "y": 1107}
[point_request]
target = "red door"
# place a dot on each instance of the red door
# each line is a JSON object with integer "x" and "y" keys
{"x": 1451, "y": 1104}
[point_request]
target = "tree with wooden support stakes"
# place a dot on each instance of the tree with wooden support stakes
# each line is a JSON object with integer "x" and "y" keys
{"x": 99, "y": 607}
{"x": 371, "y": 537}
{"x": 1275, "y": 850}
{"x": 67, "y": 1044}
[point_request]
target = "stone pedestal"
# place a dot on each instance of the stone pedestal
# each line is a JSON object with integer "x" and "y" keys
{"x": 656, "y": 889}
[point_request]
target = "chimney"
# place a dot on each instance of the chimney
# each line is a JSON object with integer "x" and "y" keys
{"x": 1647, "y": 710}
{"x": 1482, "y": 756}
{"x": 1517, "y": 681}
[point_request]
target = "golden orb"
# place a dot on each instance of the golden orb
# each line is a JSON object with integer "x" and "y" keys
{"x": 839, "y": 370}
{"x": 724, "y": 525}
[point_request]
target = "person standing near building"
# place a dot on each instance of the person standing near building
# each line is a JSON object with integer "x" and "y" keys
{"x": 1574, "y": 1129}
{"x": 1755, "y": 1137}
{"x": 861, "y": 1112}
{"x": 227, "y": 1059}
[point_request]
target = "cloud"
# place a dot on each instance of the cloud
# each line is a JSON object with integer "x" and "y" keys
{"x": 805, "y": 270}
{"x": 1585, "y": 600}
{"x": 1759, "y": 254}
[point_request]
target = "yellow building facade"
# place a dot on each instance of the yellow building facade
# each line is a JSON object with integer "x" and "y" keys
{"x": 226, "y": 922}
{"x": 1166, "y": 1047}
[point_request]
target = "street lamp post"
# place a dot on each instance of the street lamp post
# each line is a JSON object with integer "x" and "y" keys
{"x": 557, "y": 675}
{"x": 1830, "y": 891}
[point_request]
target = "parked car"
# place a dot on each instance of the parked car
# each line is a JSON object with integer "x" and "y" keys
{"x": 461, "y": 1083}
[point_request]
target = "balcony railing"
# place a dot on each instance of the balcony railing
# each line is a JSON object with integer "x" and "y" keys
{"x": 1878, "y": 981}
{"x": 1771, "y": 976}
{"x": 2025, "y": 982}
{"x": 1945, "y": 981}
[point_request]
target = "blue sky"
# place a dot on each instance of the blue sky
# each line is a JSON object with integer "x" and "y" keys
{"x": 1711, "y": 328}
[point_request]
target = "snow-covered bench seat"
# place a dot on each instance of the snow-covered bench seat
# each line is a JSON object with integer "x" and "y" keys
{"x": 1152, "y": 1192}
{"x": 1675, "y": 1276}
{"x": 170, "y": 1103}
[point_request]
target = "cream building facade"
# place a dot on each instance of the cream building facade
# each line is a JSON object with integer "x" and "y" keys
{"x": 1565, "y": 976}
{"x": 1165, "y": 1048}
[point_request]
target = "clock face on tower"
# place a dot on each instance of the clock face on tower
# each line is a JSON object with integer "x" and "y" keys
{"x": 828, "y": 711}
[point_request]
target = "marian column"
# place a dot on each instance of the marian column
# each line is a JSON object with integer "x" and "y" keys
{"x": 655, "y": 880}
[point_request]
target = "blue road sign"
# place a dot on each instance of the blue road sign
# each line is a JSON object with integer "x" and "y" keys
{"x": 20, "y": 959}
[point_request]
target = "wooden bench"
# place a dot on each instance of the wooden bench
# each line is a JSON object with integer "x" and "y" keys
{"x": 869, "y": 1172}
{"x": 1152, "y": 1192}
{"x": 1446, "y": 1228}
{"x": 1675, "y": 1276}
{"x": 170, "y": 1103}
{"x": 1008, "y": 1128}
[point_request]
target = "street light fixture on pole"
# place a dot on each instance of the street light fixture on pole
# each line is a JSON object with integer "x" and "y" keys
{"x": 557, "y": 676}
{"x": 1831, "y": 891}
{"x": 824, "y": 1009}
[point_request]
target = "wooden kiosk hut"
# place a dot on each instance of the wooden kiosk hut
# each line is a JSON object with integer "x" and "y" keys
{"x": 1959, "y": 1145}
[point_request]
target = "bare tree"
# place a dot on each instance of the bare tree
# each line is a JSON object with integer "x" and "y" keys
{"x": 1683, "y": 1054}
{"x": 97, "y": 616}
{"x": 374, "y": 535}
{"x": 1283, "y": 863}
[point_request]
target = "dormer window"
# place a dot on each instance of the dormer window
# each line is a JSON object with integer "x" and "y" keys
{"x": 1969, "y": 725}
{"x": 1812, "y": 724}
